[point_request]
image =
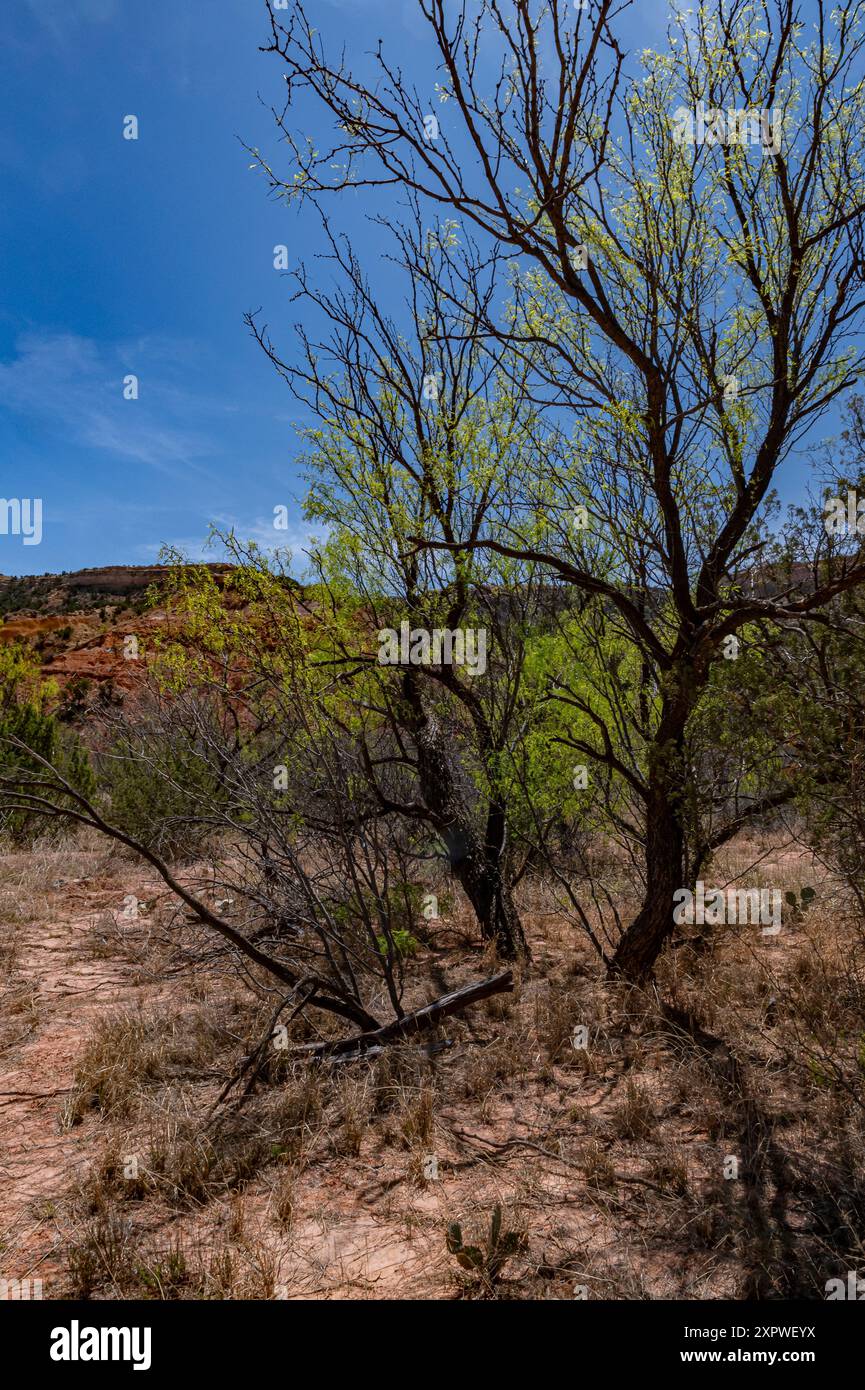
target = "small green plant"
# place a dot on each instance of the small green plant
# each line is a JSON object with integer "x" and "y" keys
{"x": 158, "y": 789}
{"x": 500, "y": 1247}
{"x": 404, "y": 944}
{"x": 819, "y": 1075}
{"x": 29, "y": 737}
{"x": 164, "y": 1277}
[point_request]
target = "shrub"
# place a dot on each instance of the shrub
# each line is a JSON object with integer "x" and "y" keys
{"x": 24, "y": 718}
{"x": 160, "y": 795}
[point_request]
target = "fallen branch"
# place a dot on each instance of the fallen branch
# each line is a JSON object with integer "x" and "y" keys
{"x": 33, "y": 1095}
{"x": 377, "y": 1049}
{"x": 418, "y": 1021}
{"x": 520, "y": 1143}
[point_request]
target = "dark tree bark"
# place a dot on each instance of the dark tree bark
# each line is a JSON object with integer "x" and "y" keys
{"x": 644, "y": 939}
{"x": 477, "y": 860}
{"x": 479, "y": 874}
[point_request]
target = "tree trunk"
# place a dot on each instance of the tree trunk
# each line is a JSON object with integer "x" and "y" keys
{"x": 493, "y": 903}
{"x": 476, "y": 859}
{"x": 643, "y": 941}
{"x": 641, "y": 944}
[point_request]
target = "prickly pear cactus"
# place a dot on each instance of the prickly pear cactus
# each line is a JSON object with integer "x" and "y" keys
{"x": 499, "y": 1248}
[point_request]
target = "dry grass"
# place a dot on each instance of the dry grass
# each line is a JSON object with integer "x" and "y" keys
{"x": 610, "y": 1160}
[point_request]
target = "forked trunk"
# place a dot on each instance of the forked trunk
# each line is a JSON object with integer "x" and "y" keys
{"x": 494, "y": 906}
{"x": 476, "y": 858}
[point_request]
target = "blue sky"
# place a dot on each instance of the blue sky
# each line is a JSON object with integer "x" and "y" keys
{"x": 141, "y": 257}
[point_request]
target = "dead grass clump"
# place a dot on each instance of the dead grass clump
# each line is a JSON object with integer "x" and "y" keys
{"x": 396, "y": 1073}
{"x": 103, "y": 1254}
{"x": 417, "y": 1116}
{"x": 567, "y": 1021}
{"x": 9, "y": 953}
{"x": 190, "y": 1164}
{"x": 165, "y": 1274}
{"x": 130, "y": 1053}
{"x": 123, "y": 1054}
{"x": 493, "y": 1066}
{"x": 298, "y": 1110}
{"x": 19, "y": 1013}
{"x": 633, "y": 1116}
{"x": 284, "y": 1197}
{"x": 109, "y": 1257}
{"x": 355, "y": 1110}
{"x": 598, "y": 1168}
{"x": 669, "y": 1170}
{"x": 119, "y": 1174}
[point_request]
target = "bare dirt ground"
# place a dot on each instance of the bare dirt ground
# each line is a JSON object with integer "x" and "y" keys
{"x": 122, "y": 1176}
{"x": 57, "y": 983}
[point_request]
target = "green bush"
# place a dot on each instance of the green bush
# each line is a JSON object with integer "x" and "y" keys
{"x": 161, "y": 796}
{"x": 24, "y": 717}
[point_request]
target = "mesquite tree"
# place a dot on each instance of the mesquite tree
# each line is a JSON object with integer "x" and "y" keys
{"x": 310, "y": 885}
{"x": 682, "y": 234}
{"x": 414, "y": 429}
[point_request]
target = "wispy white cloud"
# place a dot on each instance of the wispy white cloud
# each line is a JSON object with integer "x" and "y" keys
{"x": 58, "y": 16}
{"x": 68, "y": 384}
{"x": 296, "y": 540}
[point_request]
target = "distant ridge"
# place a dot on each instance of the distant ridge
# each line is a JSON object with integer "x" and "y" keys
{"x": 78, "y": 626}
{"x": 36, "y": 595}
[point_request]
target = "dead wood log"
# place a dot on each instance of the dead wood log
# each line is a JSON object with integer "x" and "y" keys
{"x": 416, "y": 1022}
{"x": 429, "y": 1049}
